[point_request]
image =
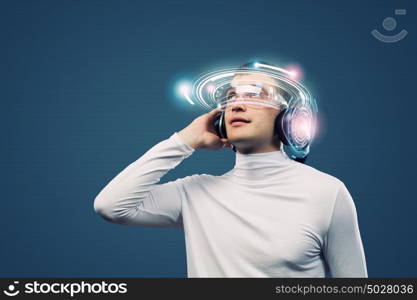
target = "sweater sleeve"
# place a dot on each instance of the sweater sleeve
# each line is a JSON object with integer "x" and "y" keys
{"x": 134, "y": 196}
{"x": 343, "y": 249}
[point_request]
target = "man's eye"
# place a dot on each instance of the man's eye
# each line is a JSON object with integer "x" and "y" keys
{"x": 230, "y": 96}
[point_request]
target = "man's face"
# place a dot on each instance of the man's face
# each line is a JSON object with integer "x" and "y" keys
{"x": 258, "y": 130}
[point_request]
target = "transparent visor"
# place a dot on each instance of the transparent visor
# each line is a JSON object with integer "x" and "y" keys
{"x": 254, "y": 95}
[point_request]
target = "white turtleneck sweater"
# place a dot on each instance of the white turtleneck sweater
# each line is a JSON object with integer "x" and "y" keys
{"x": 267, "y": 217}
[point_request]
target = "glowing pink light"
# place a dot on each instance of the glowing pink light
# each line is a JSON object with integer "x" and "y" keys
{"x": 296, "y": 72}
{"x": 302, "y": 127}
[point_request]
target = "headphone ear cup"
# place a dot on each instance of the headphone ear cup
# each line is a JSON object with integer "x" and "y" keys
{"x": 220, "y": 125}
{"x": 281, "y": 125}
{"x": 282, "y": 128}
{"x": 216, "y": 124}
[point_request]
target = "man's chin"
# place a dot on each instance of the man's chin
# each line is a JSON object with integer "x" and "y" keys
{"x": 242, "y": 141}
{"x": 234, "y": 138}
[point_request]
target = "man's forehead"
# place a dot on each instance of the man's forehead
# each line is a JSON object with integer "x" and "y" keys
{"x": 253, "y": 79}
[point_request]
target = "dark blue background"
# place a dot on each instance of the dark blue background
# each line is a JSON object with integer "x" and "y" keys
{"x": 87, "y": 88}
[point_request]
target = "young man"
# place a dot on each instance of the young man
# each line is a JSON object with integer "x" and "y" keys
{"x": 269, "y": 216}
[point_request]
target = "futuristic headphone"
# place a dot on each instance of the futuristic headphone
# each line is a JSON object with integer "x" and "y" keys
{"x": 282, "y": 127}
{"x": 294, "y": 124}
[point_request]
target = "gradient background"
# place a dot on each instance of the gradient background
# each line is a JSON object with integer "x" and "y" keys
{"x": 87, "y": 87}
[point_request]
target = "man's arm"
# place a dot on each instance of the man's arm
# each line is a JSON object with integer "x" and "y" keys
{"x": 133, "y": 197}
{"x": 343, "y": 249}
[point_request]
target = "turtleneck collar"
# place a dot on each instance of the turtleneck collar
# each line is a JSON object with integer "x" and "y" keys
{"x": 259, "y": 165}
{"x": 260, "y": 160}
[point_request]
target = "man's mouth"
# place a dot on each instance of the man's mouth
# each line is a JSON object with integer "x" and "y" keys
{"x": 237, "y": 121}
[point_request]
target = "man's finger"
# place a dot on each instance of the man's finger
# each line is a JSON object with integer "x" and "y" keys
{"x": 213, "y": 112}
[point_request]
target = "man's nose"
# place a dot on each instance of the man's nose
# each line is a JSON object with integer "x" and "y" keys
{"x": 238, "y": 105}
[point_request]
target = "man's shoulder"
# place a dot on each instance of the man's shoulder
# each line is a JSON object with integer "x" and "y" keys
{"x": 311, "y": 173}
{"x": 196, "y": 178}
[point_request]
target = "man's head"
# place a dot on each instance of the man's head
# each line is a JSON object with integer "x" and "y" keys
{"x": 255, "y": 134}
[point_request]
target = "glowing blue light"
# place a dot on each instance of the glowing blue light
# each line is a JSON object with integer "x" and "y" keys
{"x": 184, "y": 90}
